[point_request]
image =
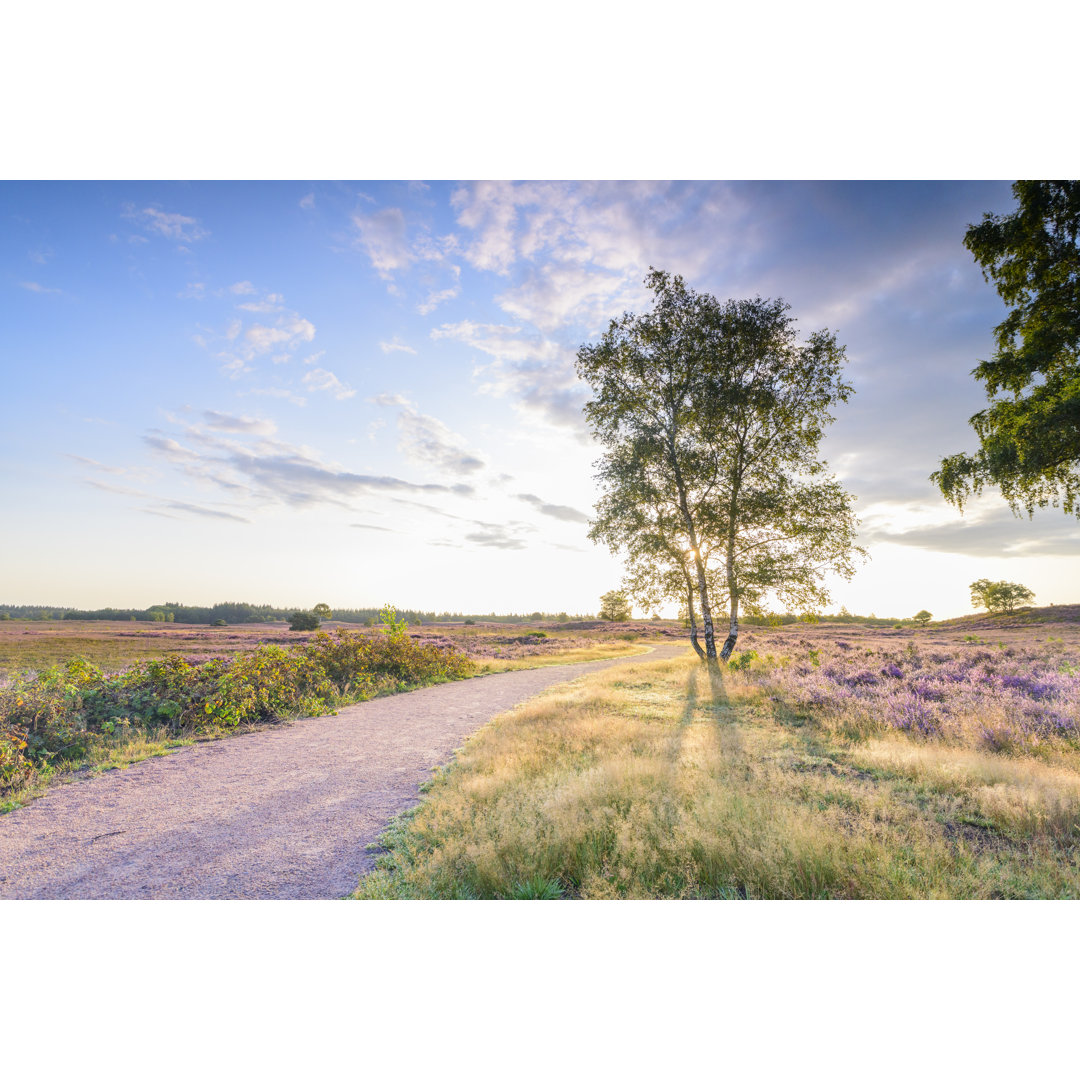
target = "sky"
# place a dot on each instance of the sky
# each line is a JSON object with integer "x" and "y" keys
{"x": 358, "y": 393}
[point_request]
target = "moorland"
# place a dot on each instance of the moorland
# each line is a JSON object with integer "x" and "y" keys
{"x": 825, "y": 761}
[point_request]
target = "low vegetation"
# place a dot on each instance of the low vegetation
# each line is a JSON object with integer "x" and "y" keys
{"x": 821, "y": 763}
{"x": 71, "y": 714}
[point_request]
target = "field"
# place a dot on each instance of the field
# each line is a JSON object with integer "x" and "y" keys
{"x": 827, "y": 761}
{"x": 31, "y": 646}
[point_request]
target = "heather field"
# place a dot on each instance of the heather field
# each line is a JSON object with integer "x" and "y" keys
{"x": 825, "y": 761}
{"x": 27, "y": 646}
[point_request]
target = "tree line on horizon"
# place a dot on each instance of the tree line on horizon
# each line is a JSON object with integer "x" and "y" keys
{"x": 239, "y": 612}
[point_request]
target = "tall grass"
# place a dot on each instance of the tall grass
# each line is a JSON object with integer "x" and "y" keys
{"x": 653, "y": 780}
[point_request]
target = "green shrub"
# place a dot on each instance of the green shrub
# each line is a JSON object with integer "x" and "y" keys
{"x": 60, "y": 714}
{"x": 304, "y": 620}
{"x": 743, "y": 661}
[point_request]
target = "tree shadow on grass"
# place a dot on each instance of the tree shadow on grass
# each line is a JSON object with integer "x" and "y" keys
{"x": 705, "y": 690}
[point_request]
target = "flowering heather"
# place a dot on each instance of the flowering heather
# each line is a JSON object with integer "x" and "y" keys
{"x": 1009, "y": 694}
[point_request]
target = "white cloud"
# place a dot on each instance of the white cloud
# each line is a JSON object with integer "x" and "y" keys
{"x": 535, "y": 372}
{"x": 322, "y": 380}
{"x": 246, "y": 425}
{"x": 395, "y": 345}
{"x": 308, "y": 201}
{"x": 382, "y": 236}
{"x": 427, "y": 441}
{"x": 172, "y": 226}
{"x": 434, "y": 299}
{"x": 289, "y": 331}
{"x": 242, "y": 288}
{"x": 34, "y": 286}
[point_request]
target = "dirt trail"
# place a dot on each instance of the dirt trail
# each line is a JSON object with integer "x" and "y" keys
{"x": 280, "y": 814}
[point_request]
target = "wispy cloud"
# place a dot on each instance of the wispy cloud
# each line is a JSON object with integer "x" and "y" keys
{"x": 382, "y": 236}
{"x": 321, "y": 380}
{"x": 246, "y": 425}
{"x": 277, "y": 472}
{"x": 427, "y": 441}
{"x": 204, "y": 511}
{"x": 395, "y": 345}
{"x": 170, "y": 225}
{"x": 37, "y": 287}
{"x": 562, "y": 513}
{"x": 536, "y": 373}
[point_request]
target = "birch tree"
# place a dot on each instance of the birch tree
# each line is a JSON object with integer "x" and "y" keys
{"x": 710, "y": 415}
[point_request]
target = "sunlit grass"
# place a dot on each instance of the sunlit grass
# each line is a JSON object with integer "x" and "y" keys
{"x": 126, "y": 751}
{"x": 651, "y": 780}
{"x": 602, "y": 651}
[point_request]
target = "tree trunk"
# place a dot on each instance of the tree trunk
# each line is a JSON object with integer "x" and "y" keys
{"x": 699, "y": 566}
{"x": 733, "y": 595}
{"x": 690, "y": 612}
{"x": 733, "y": 631}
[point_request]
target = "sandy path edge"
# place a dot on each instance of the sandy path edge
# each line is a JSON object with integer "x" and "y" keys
{"x": 285, "y": 813}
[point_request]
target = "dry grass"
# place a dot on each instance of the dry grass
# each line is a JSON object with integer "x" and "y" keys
{"x": 601, "y": 651}
{"x": 650, "y": 780}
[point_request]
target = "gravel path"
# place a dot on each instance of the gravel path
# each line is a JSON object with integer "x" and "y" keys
{"x": 281, "y": 814}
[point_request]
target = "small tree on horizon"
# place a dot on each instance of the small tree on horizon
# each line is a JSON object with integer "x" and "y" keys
{"x": 921, "y": 618}
{"x": 614, "y": 606}
{"x": 323, "y": 611}
{"x": 999, "y": 597}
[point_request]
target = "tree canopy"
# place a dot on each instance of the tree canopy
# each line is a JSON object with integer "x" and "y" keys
{"x": 709, "y": 414}
{"x": 1030, "y": 433}
{"x": 999, "y": 596}
{"x": 614, "y": 607}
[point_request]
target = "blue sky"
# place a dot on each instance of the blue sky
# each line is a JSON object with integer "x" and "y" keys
{"x": 364, "y": 392}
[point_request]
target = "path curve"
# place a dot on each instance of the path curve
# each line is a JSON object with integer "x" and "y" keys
{"x": 281, "y": 814}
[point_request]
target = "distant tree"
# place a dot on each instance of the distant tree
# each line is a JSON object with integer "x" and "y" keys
{"x": 614, "y": 606}
{"x": 304, "y": 620}
{"x": 999, "y": 596}
{"x": 921, "y": 617}
{"x": 323, "y": 611}
{"x": 1030, "y": 433}
{"x": 709, "y": 414}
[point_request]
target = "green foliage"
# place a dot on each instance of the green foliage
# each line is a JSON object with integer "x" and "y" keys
{"x": 998, "y": 597}
{"x": 921, "y": 618}
{"x": 537, "y": 887}
{"x": 614, "y": 606}
{"x": 396, "y": 627}
{"x": 1030, "y": 433}
{"x": 709, "y": 414}
{"x": 304, "y": 620}
{"x": 743, "y": 661}
{"x": 323, "y": 611}
{"x": 61, "y": 713}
